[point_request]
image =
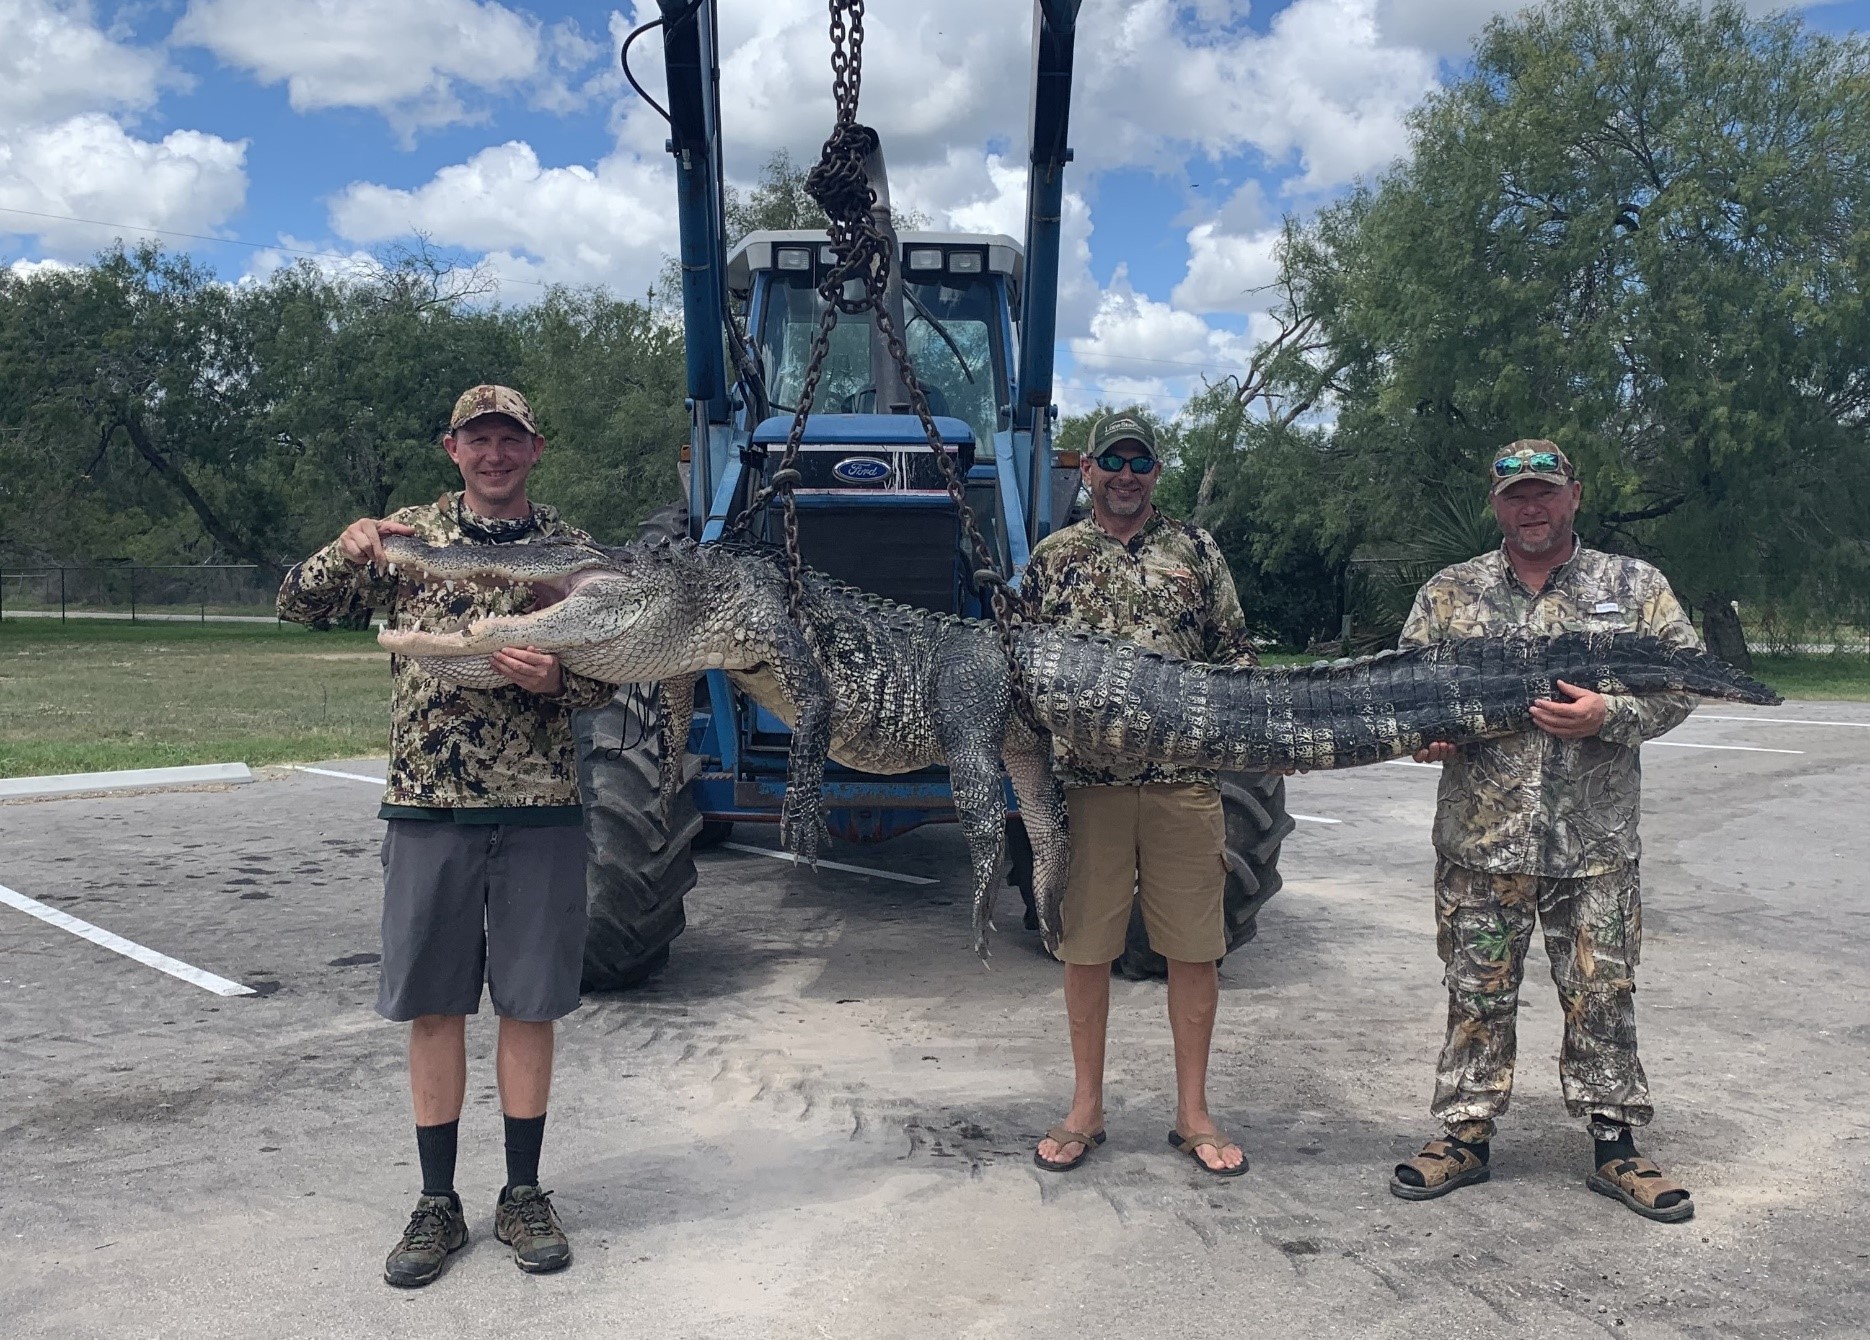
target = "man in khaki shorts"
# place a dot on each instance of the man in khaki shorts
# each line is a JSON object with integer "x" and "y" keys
{"x": 1140, "y": 828}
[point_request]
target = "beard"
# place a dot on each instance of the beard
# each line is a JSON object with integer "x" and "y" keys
{"x": 1555, "y": 537}
{"x": 1124, "y": 505}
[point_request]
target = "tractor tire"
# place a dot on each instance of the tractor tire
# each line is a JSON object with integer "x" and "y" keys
{"x": 637, "y": 869}
{"x": 669, "y": 521}
{"x": 1257, "y": 823}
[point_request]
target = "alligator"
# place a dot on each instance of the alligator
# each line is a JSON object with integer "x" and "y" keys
{"x": 908, "y": 688}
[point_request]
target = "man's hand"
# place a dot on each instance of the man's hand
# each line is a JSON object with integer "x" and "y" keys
{"x": 534, "y": 671}
{"x": 362, "y": 540}
{"x": 1439, "y": 752}
{"x": 1578, "y": 719}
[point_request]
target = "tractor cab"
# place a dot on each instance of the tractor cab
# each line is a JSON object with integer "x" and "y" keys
{"x": 873, "y": 507}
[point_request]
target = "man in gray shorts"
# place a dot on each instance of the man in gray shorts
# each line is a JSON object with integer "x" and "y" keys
{"x": 483, "y": 861}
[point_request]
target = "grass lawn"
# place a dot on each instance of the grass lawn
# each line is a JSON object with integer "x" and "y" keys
{"x": 90, "y": 696}
{"x": 1815, "y": 676}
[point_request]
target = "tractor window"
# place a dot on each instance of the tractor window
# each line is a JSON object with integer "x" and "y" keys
{"x": 953, "y": 339}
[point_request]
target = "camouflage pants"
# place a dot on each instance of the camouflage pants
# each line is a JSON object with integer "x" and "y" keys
{"x": 1593, "y": 935}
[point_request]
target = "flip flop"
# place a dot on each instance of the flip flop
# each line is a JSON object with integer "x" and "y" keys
{"x": 1192, "y": 1145}
{"x": 1063, "y": 1135}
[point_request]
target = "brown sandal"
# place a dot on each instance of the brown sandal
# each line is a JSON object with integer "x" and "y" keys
{"x": 1192, "y": 1145}
{"x": 1444, "y": 1166}
{"x": 1062, "y": 1136}
{"x": 1639, "y": 1184}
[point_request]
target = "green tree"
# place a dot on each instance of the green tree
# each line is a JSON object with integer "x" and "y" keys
{"x": 606, "y": 379}
{"x": 126, "y": 421}
{"x": 355, "y": 376}
{"x": 1638, "y": 228}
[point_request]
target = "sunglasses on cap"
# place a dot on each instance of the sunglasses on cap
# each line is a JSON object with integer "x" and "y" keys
{"x": 1114, "y": 463}
{"x": 1538, "y": 463}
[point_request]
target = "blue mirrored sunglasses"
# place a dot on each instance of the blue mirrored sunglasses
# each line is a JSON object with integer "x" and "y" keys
{"x": 1539, "y": 463}
{"x": 1114, "y": 463}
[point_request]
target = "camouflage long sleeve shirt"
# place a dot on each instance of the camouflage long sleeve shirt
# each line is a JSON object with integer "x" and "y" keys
{"x": 454, "y": 748}
{"x": 1532, "y": 803}
{"x": 1168, "y": 588}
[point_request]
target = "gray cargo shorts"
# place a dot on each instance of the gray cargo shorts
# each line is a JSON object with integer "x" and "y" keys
{"x": 470, "y": 903}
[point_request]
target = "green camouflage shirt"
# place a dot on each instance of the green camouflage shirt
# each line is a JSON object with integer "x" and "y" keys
{"x": 1168, "y": 589}
{"x": 1531, "y": 803}
{"x": 453, "y": 747}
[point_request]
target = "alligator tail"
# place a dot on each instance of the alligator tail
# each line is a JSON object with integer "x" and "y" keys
{"x": 1116, "y": 698}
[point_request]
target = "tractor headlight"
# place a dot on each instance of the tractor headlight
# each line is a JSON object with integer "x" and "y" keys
{"x": 925, "y": 258}
{"x": 964, "y": 262}
{"x": 794, "y": 258}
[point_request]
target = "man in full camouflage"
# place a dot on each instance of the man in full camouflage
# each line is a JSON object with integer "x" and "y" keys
{"x": 1542, "y": 826}
{"x": 483, "y": 858}
{"x": 1140, "y": 828}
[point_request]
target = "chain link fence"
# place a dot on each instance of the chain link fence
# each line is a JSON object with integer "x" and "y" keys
{"x": 237, "y": 592}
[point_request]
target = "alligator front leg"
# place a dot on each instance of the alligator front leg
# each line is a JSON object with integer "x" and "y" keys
{"x": 801, "y": 813}
{"x": 678, "y": 711}
{"x": 1028, "y": 760}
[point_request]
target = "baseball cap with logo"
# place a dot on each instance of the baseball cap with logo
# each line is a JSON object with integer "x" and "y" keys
{"x": 1530, "y": 458}
{"x": 479, "y": 400}
{"x": 1111, "y": 429}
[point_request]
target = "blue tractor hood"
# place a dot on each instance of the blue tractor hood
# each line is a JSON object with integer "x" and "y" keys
{"x": 863, "y": 430}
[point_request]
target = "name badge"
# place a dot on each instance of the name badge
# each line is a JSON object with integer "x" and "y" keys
{"x": 1606, "y": 607}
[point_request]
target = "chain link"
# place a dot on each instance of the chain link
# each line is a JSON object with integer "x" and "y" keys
{"x": 857, "y": 283}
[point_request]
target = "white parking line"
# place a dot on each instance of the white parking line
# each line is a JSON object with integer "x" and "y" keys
{"x": 194, "y": 976}
{"x": 829, "y": 865}
{"x": 1781, "y": 721}
{"x": 1743, "y": 748}
{"x": 329, "y": 772}
{"x": 1313, "y": 819}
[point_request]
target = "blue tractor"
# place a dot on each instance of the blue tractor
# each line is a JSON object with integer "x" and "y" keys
{"x": 978, "y": 314}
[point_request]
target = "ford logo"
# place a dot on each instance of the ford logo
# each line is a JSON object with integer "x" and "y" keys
{"x": 861, "y": 470}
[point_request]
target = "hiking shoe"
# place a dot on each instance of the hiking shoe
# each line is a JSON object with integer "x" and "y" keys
{"x": 436, "y": 1228}
{"x": 524, "y": 1221}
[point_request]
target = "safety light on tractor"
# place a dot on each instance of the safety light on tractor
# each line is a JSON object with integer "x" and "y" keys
{"x": 925, "y": 258}
{"x": 794, "y": 258}
{"x": 966, "y": 262}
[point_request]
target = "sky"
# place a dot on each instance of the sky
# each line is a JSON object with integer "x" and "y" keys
{"x": 248, "y": 131}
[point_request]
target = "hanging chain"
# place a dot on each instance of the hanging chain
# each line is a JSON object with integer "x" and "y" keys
{"x": 857, "y": 282}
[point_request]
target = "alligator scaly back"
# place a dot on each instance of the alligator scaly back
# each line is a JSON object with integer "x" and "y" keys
{"x": 1117, "y": 698}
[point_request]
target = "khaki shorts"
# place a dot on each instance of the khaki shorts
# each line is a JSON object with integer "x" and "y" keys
{"x": 1164, "y": 843}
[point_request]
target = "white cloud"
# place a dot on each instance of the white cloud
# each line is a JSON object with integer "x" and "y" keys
{"x": 55, "y": 61}
{"x": 23, "y": 269}
{"x": 407, "y": 60}
{"x": 326, "y": 259}
{"x": 89, "y": 167}
{"x": 1134, "y": 337}
{"x": 611, "y": 224}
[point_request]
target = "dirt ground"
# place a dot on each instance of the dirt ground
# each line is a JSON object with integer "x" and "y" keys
{"x": 818, "y": 1120}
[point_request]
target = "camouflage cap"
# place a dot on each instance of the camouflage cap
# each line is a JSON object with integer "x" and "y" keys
{"x": 479, "y": 400}
{"x": 1530, "y": 458}
{"x": 1111, "y": 429}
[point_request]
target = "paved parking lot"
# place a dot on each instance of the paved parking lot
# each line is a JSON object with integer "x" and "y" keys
{"x": 817, "y": 1121}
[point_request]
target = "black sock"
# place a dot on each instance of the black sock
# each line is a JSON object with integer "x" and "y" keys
{"x": 524, "y": 1137}
{"x": 1622, "y": 1147}
{"x": 1410, "y": 1177}
{"x": 435, "y": 1146}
